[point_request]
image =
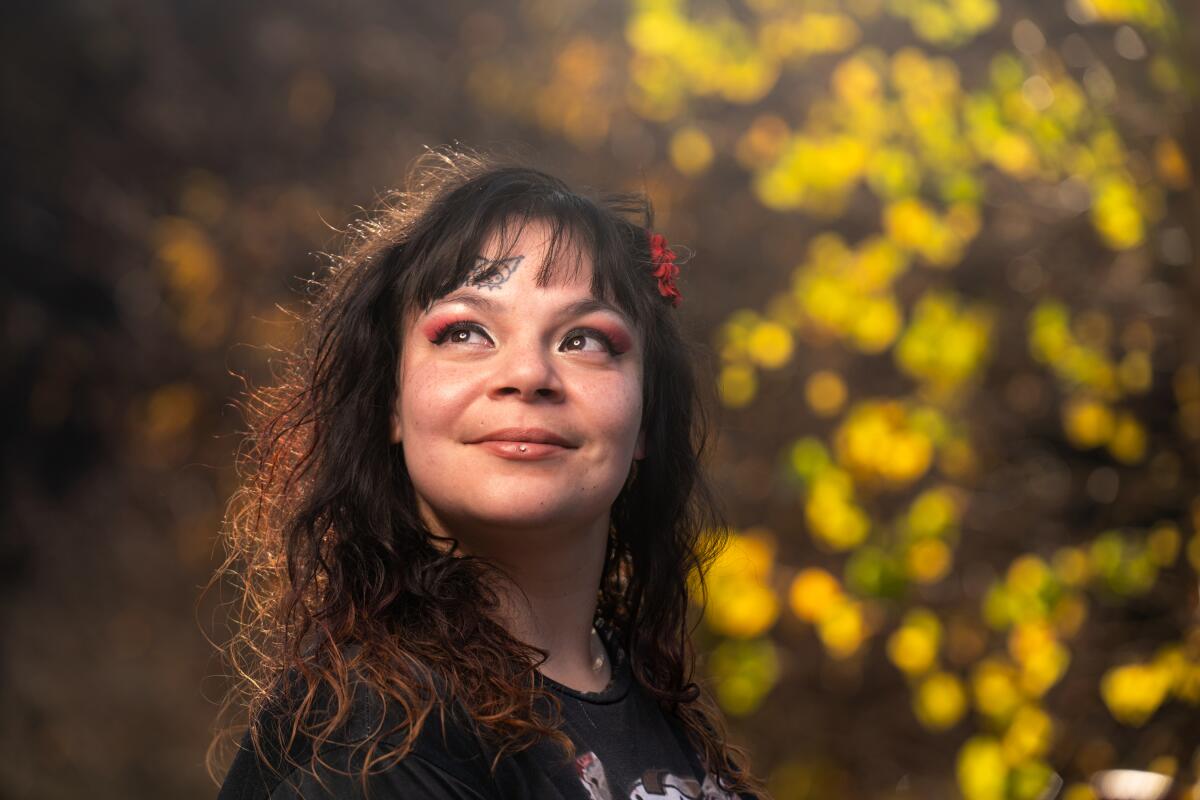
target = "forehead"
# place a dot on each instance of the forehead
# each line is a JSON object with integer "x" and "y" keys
{"x": 532, "y": 251}
{"x": 525, "y": 257}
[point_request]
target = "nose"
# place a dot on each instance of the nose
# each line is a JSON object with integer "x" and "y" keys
{"x": 528, "y": 370}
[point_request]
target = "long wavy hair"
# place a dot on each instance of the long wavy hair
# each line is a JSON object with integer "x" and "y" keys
{"x": 339, "y": 584}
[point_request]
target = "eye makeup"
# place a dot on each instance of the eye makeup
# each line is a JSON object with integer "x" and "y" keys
{"x": 614, "y": 339}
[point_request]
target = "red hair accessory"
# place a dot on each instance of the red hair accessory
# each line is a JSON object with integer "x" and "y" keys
{"x": 665, "y": 268}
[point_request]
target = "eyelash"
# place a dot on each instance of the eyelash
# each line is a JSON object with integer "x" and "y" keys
{"x": 462, "y": 325}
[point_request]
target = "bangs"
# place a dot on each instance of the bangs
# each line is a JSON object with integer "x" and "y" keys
{"x": 446, "y": 244}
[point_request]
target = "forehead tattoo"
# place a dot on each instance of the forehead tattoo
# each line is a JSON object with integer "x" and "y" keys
{"x": 489, "y": 273}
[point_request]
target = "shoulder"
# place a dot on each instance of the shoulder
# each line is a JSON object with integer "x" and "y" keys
{"x": 445, "y": 759}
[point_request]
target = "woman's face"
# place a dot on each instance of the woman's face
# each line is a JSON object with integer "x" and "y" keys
{"x": 519, "y": 407}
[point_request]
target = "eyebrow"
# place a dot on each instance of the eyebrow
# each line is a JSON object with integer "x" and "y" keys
{"x": 575, "y": 309}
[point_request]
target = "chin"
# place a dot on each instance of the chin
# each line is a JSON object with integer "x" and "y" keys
{"x": 508, "y": 507}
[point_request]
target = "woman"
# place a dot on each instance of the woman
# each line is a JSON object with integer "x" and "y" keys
{"x": 473, "y": 504}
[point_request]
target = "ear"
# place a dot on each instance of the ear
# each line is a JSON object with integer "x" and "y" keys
{"x": 639, "y": 450}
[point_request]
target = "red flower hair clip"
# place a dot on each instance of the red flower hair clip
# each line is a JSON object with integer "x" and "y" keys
{"x": 665, "y": 268}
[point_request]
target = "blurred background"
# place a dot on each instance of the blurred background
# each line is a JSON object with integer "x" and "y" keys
{"x": 946, "y": 268}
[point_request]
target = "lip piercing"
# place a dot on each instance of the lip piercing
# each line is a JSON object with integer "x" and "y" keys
{"x": 522, "y": 448}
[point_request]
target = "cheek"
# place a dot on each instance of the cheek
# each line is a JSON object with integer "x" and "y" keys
{"x": 620, "y": 409}
{"x": 430, "y": 399}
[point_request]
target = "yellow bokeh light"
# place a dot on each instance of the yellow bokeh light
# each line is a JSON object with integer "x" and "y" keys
{"x": 1135, "y": 373}
{"x": 928, "y": 561}
{"x": 982, "y": 769}
{"x": 737, "y": 385}
{"x": 1172, "y": 164}
{"x": 1071, "y": 566}
{"x": 1027, "y": 574}
{"x": 770, "y": 345}
{"x": 691, "y": 151}
{"x": 1134, "y": 692}
{"x": 877, "y": 323}
{"x": 932, "y": 512}
{"x": 742, "y": 603}
{"x": 913, "y": 647}
{"x": 1128, "y": 440}
{"x": 940, "y": 701}
{"x": 813, "y": 593}
{"x": 741, "y": 609}
{"x": 825, "y": 392}
{"x": 1043, "y": 668}
{"x": 842, "y": 629}
{"x": 1029, "y": 735}
{"x": 1088, "y": 423}
{"x": 170, "y": 411}
{"x": 1163, "y": 543}
{"x": 994, "y": 688}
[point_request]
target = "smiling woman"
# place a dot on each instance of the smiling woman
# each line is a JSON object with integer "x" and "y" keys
{"x": 471, "y": 510}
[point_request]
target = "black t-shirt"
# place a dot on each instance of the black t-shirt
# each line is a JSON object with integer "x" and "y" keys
{"x": 627, "y": 747}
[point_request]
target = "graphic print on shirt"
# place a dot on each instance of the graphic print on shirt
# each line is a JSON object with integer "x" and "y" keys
{"x": 655, "y": 784}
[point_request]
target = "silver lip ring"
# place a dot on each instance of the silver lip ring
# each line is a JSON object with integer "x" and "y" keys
{"x": 522, "y": 448}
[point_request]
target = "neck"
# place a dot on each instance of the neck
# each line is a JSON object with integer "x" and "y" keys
{"x": 551, "y": 600}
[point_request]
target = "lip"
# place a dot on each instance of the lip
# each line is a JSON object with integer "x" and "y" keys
{"x": 525, "y": 436}
{"x": 524, "y": 444}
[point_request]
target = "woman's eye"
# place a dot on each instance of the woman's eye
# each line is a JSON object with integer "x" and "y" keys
{"x": 579, "y": 340}
{"x": 460, "y": 333}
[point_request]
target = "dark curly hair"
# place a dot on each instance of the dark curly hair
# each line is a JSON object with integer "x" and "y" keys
{"x": 340, "y": 584}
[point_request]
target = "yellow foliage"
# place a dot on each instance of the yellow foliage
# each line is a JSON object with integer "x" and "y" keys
{"x": 1029, "y": 735}
{"x": 1134, "y": 692}
{"x": 909, "y": 223}
{"x": 932, "y": 512}
{"x": 691, "y": 150}
{"x": 749, "y": 554}
{"x": 832, "y": 516}
{"x": 1027, "y": 574}
{"x": 982, "y": 769}
{"x": 913, "y": 647}
{"x": 742, "y": 603}
{"x": 1135, "y": 372}
{"x": 805, "y": 34}
{"x": 745, "y": 672}
{"x": 737, "y": 385}
{"x": 994, "y": 688}
{"x": 1079, "y": 791}
{"x": 1128, "y": 440}
{"x": 1043, "y": 668}
{"x": 762, "y": 142}
{"x": 741, "y": 609}
{"x": 855, "y": 81}
{"x": 1088, "y": 423}
{"x": 1172, "y": 164}
{"x": 877, "y": 440}
{"x": 842, "y": 629}
{"x": 170, "y": 411}
{"x": 814, "y": 592}
{"x": 1150, "y": 13}
{"x": 770, "y": 345}
{"x": 876, "y": 324}
{"x": 940, "y": 701}
{"x": 1163, "y": 544}
{"x": 825, "y": 392}
{"x": 1116, "y": 211}
{"x": 189, "y": 257}
{"x": 1013, "y": 153}
{"x": 928, "y": 561}
{"x": 945, "y": 345}
{"x": 1069, "y": 614}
